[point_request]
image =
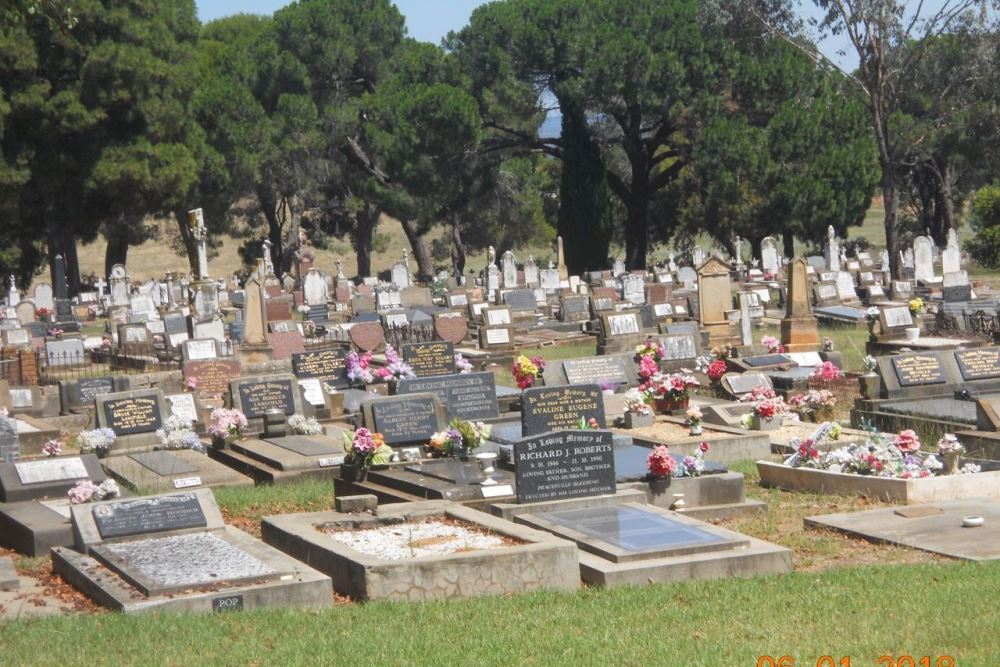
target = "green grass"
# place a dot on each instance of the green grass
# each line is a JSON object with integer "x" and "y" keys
{"x": 864, "y": 613}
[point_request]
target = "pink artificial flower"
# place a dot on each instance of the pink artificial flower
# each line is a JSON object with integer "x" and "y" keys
{"x": 660, "y": 463}
{"x": 907, "y": 441}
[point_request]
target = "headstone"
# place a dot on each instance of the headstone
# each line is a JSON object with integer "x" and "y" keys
{"x": 65, "y": 352}
{"x": 633, "y": 289}
{"x": 923, "y": 259}
{"x": 131, "y": 413}
{"x": 255, "y": 322}
{"x": 25, "y": 311}
{"x": 575, "y": 308}
{"x": 845, "y": 287}
{"x": 43, "y": 297}
{"x": 603, "y": 369}
{"x": 564, "y": 464}
{"x": 799, "y": 331}
{"x": 367, "y": 335}
{"x": 714, "y": 291}
{"x": 508, "y": 267}
{"x": 328, "y": 366}
{"x": 918, "y": 369}
{"x": 469, "y": 396}
{"x": 400, "y": 275}
{"x": 556, "y": 408}
{"x": 679, "y": 346}
{"x": 254, "y": 396}
{"x": 531, "y": 278}
{"x": 213, "y": 375}
{"x": 430, "y": 358}
{"x": 831, "y": 252}
{"x": 451, "y": 327}
{"x": 412, "y": 418}
{"x": 956, "y": 287}
{"x": 769, "y": 255}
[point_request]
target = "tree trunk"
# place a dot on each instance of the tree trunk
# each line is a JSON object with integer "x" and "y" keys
{"x": 945, "y": 204}
{"x": 421, "y": 252}
{"x": 636, "y": 243}
{"x": 890, "y": 196}
{"x": 788, "y": 240}
{"x": 362, "y": 238}
{"x": 457, "y": 248}
{"x": 72, "y": 264}
{"x": 184, "y": 227}
{"x": 116, "y": 252}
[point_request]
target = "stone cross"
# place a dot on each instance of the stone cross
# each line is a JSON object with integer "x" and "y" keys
{"x": 196, "y": 220}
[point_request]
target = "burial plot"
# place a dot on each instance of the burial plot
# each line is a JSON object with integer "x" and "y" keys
{"x": 402, "y": 420}
{"x": 564, "y": 464}
{"x": 467, "y": 396}
{"x": 34, "y": 509}
{"x": 430, "y": 358}
{"x": 937, "y": 527}
{"x": 174, "y": 553}
{"x": 521, "y": 560}
{"x": 163, "y": 471}
{"x": 557, "y": 408}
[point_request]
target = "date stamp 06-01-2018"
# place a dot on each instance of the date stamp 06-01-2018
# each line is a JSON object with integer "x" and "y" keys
{"x": 848, "y": 661}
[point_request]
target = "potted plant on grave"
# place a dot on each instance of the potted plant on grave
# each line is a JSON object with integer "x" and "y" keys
{"x": 361, "y": 450}
{"x": 85, "y": 491}
{"x": 638, "y": 411}
{"x": 772, "y": 345}
{"x": 766, "y": 409}
{"x": 176, "y": 433}
{"x": 648, "y": 356}
{"x": 459, "y": 439}
{"x": 52, "y": 448}
{"x": 949, "y": 449}
{"x": 816, "y": 405}
{"x": 870, "y": 382}
{"x": 527, "y": 371}
{"x": 693, "y": 466}
{"x": 661, "y": 466}
{"x": 917, "y": 309}
{"x": 671, "y": 392}
{"x": 97, "y": 441}
{"x": 395, "y": 369}
{"x": 358, "y": 366}
{"x": 226, "y": 426}
{"x": 693, "y": 420}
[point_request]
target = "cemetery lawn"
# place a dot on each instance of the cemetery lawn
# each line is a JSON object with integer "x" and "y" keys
{"x": 846, "y": 598}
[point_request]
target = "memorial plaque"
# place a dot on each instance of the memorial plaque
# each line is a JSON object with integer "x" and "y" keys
{"x": 622, "y": 325}
{"x": 312, "y": 392}
{"x": 468, "y": 396}
{"x": 896, "y": 317}
{"x": 325, "y": 365}
{"x": 257, "y": 397}
{"x": 679, "y": 346}
{"x": 595, "y": 369}
{"x": 767, "y": 360}
{"x": 557, "y": 408}
{"x": 412, "y": 418}
{"x": 129, "y": 415}
{"x": 979, "y": 364}
{"x": 564, "y": 464}
{"x": 213, "y": 375}
{"x": 521, "y": 300}
{"x": 51, "y": 470}
{"x": 182, "y": 405}
{"x": 430, "y": 358}
{"x": 451, "y": 327}
{"x": 499, "y": 336}
{"x": 149, "y": 515}
{"x": 496, "y": 316}
{"x": 575, "y": 308}
{"x": 227, "y": 603}
{"x": 918, "y": 369}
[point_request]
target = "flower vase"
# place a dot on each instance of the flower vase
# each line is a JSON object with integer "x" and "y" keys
{"x": 667, "y": 406}
{"x": 758, "y": 424}
{"x": 635, "y": 420}
{"x": 950, "y": 462}
{"x": 695, "y": 429}
{"x": 871, "y": 386}
{"x": 823, "y": 414}
{"x": 352, "y": 472}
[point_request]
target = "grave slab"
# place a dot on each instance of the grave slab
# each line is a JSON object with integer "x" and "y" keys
{"x": 164, "y": 471}
{"x": 632, "y": 543}
{"x": 532, "y": 560}
{"x": 174, "y": 553}
{"x": 287, "y": 459}
{"x": 938, "y": 530}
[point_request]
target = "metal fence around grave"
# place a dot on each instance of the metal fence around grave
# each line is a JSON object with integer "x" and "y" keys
{"x": 413, "y": 333}
{"x": 56, "y": 366}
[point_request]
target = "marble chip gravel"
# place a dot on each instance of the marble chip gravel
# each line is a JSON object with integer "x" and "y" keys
{"x": 413, "y": 540}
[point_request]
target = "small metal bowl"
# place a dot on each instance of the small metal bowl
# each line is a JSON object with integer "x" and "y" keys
{"x": 972, "y": 521}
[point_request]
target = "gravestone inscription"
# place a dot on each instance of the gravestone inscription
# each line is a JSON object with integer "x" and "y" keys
{"x": 979, "y": 364}
{"x": 149, "y": 515}
{"x": 430, "y": 358}
{"x": 133, "y": 414}
{"x": 257, "y": 397}
{"x": 564, "y": 464}
{"x": 325, "y": 365}
{"x": 469, "y": 396}
{"x": 600, "y": 369}
{"x": 412, "y": 418}
{"x": 918, "y": 369}
{"x": 556, "y": 408}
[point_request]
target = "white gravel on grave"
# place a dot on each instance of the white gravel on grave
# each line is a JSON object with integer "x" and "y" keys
{"x": 396, "y": 542}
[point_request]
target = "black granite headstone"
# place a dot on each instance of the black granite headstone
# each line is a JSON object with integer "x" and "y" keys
{"x": 404, "y": 419}
{"x": 564, "y": 464}
{"x": 430, "y": 358}
{"x": 149, "y": 515}
{"x": 326, "y": 365}
{"x": 979, "y": 364}
{"x": 555, "y": 408}
{"x": 259, "y": 396}
{"x": 135, "y": 414}
{"x": 918, "y": 369}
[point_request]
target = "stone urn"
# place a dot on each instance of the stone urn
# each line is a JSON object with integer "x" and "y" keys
{"x": 950, "y": 461}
